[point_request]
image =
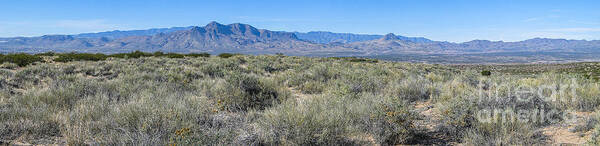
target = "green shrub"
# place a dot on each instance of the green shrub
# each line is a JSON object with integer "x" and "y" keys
{"x": 595, "y": 137}
{"x": 312, "y": 87}
{"x": 504, "y": 133}
{"x": 363, "y": 60}
{"x": 330, "y": 120}
{"x": 226, "y": 55}
{"x": 158, "y": 54}
{"x": 28, "y": 120}
{"x": 135, "y": 54}
{"x": 266, "y": 64}
{"x": 316, "y": 122}
{"x": 46, "y": 54}
{"x": 319, "y": 73}
{"x": 20, "y": 59}
{"x": 486, "y": 73}
{"x": 198, "y": 55}
{"x": 593, "y": 124}
{"x": 491, "y": 119}
{"x": 174, "y": 55}
{"x": 254, "y": 93}
{"x": 412, "y": 89}
{"x": 335, "y": 58}
{"x": 212, "y": 70}
{"x": 68, "y": 57}
{"x": 587, "y": 96}
{"x": 458, "y": 115}
{"x": 390, "y": 120}
{"x": 161, "y": 54}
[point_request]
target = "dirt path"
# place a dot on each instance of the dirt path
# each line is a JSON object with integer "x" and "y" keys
{"x": 428, "y": 124}
{"x": 300, "y": 97}
{"x": 562, "y": 134}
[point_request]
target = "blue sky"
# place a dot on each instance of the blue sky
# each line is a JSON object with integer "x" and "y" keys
{"x": 445, "y": 20}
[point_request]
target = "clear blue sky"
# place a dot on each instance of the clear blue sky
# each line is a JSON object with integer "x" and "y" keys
{"x": 445, "y": 20}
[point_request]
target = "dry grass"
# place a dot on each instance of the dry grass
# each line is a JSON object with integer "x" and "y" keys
{"x": 274, "y": 100}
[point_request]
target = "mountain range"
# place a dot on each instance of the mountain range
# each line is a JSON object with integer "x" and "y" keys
{"x": 244, "y": 38}
{"x": 322, "y": 37}
{"x": 119, "y": 34}
{"x": 325, "y": 37}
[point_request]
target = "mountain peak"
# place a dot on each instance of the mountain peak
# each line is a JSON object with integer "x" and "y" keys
{"x": 214, "y": 26}
{"x": 217, "y": 28}
{"x": 389, "y": 36}
{"x": 479, "y": 41}
{"x": 238, "y": 24}
{"x": 242, "y": 27}
{"x": 214, "y": 23}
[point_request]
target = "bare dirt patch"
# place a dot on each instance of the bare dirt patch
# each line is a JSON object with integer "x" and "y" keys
{"x": 428, "y": 124}
{"x": 560, "y": 134}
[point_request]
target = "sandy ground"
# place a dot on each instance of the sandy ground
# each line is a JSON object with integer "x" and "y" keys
{"x": 560, "y": 134}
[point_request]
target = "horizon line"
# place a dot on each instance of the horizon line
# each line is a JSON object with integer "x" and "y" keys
{"x": 142, "y": 29}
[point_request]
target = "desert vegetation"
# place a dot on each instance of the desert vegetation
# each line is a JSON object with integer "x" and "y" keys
{"x": 20, "y": 59}
{"x": 233, "y": 99}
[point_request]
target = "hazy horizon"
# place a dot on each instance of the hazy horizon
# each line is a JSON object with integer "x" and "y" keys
{"x": 453, "y": 21}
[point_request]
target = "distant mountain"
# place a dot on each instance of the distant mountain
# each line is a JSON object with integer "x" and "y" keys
{"x": 59, "y": 43}
{"x": 213, "y": 38}
{"x": 391, "y": 44}
{"x": 120, "y": 34}
{"x": 324, "y": 37}
{"x": 243, "y": 38}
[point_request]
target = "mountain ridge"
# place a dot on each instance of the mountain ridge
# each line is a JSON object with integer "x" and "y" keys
{"x": 125, "y": 33}
{"x": 322, "y": 37}
{"x": 243, "y": 38}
